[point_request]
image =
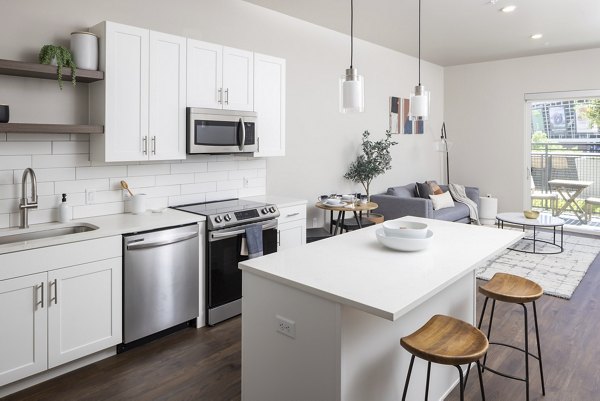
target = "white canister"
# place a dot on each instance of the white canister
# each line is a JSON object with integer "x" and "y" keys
{"x": 138, "y": 203}
{"x": 84, "y": 46}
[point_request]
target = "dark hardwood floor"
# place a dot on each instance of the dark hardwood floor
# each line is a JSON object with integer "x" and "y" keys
{"x": 205, "y": 364}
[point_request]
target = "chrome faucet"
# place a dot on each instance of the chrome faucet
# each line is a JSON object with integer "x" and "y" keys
{"x": 25, "y": 204}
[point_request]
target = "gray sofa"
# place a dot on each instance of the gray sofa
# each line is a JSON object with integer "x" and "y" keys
{"x": 403, "y": 201}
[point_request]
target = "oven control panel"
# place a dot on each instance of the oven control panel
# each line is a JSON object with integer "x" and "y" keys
{"x": 245, "y": 216}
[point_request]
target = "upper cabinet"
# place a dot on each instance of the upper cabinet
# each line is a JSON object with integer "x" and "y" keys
{"x": 141, "y": 102}
{"x": 219, "y": 77}
{"x": 269, "y": 104}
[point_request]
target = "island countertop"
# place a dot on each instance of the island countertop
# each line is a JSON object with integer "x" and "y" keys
{"x": 355, "y": 270}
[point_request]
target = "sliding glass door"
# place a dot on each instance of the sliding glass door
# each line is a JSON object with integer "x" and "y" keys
{"x": 563, "y": 155}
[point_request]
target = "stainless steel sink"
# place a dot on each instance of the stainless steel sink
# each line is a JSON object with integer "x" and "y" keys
{"x": 54, "y": 232}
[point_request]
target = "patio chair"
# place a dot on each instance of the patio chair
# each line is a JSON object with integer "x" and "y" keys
{"x": 549, "y": 200}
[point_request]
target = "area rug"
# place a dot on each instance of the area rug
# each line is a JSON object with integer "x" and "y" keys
{"x": 558, "y": 274}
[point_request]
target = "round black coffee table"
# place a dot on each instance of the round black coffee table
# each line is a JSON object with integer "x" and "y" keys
{"x": 543, "y": 221}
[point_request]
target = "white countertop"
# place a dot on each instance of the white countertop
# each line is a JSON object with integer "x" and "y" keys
{"x": 115, "y": 224}
{"x": 280, "y": 201}
{"x": 355, "y": 270}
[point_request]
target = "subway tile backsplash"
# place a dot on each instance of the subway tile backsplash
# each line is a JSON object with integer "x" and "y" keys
{"x": 61, "y": 163}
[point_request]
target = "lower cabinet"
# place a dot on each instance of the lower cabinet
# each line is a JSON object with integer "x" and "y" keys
{"x": 23, "y": 327}
{"x": 84, "y": 310}
{"x": 291, "y": 227}
{"x": 56, "y": 316}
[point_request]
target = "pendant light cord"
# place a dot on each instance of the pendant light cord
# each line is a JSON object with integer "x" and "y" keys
{"x": 419, "y": 42}
{"x": 351, "y": 31}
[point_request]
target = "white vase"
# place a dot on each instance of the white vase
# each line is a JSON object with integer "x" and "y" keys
{"x": 84, "y": 47}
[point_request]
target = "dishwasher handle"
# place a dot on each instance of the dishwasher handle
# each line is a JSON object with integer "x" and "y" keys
{"x": 163, "y": 241}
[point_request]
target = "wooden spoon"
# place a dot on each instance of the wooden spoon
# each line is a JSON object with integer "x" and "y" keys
{"x": 124, "y": 185}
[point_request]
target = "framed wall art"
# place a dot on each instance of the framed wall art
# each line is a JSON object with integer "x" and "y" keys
{"x": 400, "y": 122}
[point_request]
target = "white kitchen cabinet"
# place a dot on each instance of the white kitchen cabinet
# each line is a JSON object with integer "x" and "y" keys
{"x": 84, "y": 310}
{"x": 23, "y": 317}
{"x": 167, "y": 130}
{"x": 219, "y": 77}
{"x": 141, "y": 101}
{"x": 291, "y": 226}
{"x": 57, "y": 304}
{"x": 269, "y": 104}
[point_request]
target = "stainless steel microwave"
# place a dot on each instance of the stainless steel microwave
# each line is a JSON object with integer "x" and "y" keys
{"x": 221, "y": 131}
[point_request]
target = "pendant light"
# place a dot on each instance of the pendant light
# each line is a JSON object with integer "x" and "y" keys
{"x": 352, "y": 91}
{"x": 419, "y": 101}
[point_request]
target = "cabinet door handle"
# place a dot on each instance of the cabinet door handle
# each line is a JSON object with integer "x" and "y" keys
{"x": 227, "y": 96}
{"x": 292, "y": 214}
{"x": 154, "y": 145}
{"x": 278, "y": 238}
{"x": 41, "y": 301}
{"x": 55, "y": 298}
{"x": 220, "y": 96}
{"x": 145, "y": 145}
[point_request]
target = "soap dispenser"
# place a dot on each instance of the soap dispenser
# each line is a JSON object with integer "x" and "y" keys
{"x": 64, "y": 210}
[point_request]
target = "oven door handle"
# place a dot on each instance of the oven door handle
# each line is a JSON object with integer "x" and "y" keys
{"x": 161, "y": 242}
{"x": 215, "y": 236}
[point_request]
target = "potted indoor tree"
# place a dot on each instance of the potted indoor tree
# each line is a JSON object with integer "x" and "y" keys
{"x": 62, "y": 56}
{"x": 374, "y": 160}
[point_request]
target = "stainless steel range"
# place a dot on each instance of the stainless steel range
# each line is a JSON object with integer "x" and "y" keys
{"x": 226, "y": 223}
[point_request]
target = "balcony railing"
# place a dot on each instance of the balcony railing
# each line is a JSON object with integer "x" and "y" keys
{"x": 566, "y": 161}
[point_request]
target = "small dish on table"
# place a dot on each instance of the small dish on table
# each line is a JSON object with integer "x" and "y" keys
{"x": 333, "y": 202}
{"x": 403, "y": 243}
{"x": 531, "y": 214}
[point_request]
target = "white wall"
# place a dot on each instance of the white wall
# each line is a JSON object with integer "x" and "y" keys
{"x": 321, "y": 142}
{"x": 485, "y": 116}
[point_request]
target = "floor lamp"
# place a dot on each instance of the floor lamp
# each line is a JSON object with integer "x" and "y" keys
{"x": 445, "y": 148}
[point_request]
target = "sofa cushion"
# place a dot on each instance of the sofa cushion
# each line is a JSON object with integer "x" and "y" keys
{"x": 442, "y": 201}
{"x": 405, "y": 191}
{"x": 435, "y": 188}
{"x": 458, "y": 212}
{"x": 423, "y": 190}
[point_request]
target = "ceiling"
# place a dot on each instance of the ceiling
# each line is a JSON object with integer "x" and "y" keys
{"x": 458, "y": 31}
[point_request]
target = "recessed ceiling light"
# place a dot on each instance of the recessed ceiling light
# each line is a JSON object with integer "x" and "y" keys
{"x": 536, "y": 36}
{"x": 508, "y": 9}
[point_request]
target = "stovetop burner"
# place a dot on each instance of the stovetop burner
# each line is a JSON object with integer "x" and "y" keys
{"x": 231, "y": 212}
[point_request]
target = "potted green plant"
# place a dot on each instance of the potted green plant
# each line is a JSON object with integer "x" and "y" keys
{"x": 63, "y": 58}
{"x": 374, "y": 161}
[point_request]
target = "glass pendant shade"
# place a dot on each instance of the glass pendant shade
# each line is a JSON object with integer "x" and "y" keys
{"x": 352, "y": 92}
{"x": 419, "y": 104}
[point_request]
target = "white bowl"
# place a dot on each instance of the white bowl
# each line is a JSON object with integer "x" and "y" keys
{"x": 405, "y": 229}
{"x": 404, "y": 244}
{"x": 333, "y": 202}
{"x": 347, "y": 197}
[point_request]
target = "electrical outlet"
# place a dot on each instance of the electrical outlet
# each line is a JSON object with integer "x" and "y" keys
{"x": 245, "y": 182}
{"x": 286, "y": 326}
{"x": 90, "y": 196}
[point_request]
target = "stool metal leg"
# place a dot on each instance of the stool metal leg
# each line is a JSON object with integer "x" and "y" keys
{"x": 479, "y": 368}
{"x": 427, "y": 383}
{"x": 480, "y": 381}
{"x": 539, "y": 347}
{"x": 489, "y": 333}
{"x": 526, "y": 352}
{"x": 461, "y": 384}
{"x": 412, "y": 361}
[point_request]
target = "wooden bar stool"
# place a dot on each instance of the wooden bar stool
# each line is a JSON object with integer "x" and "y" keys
{"x": 517, "y": 290}
{"x": 447, "y": 341}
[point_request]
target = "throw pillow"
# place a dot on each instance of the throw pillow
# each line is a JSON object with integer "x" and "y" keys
{"x": 423, "y": 190}
{"x": 435, "y": 188}
{"x": 442, "y": 201}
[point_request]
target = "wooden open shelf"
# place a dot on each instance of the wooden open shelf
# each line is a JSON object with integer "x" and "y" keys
{"x": 43, "y": 71}
{"x": 51, "y": 128}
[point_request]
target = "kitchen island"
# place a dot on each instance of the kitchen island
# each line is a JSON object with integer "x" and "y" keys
{"x": 345, "y": 302}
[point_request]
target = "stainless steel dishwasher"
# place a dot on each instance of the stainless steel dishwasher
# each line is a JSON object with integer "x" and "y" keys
{"x": 160, "y": 280}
